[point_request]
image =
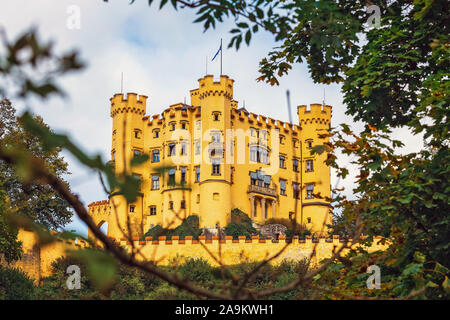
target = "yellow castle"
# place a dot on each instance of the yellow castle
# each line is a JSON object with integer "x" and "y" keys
{"x": 216, "y": 157}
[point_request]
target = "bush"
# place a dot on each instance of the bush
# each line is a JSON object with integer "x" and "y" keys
{"x": 189, "y": 227}
{"x": 15, "y": 285}
{"x": 240, "y": 225}
{"x": 197, "y": 270}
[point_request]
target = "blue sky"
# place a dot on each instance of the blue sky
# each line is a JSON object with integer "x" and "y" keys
{"x": 162, "y": 54}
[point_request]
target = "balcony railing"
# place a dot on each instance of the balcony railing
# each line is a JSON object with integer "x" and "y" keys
{"x": 262, "y": 190}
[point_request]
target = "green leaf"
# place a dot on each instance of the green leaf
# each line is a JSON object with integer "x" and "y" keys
{"x": 101, "y": 267}
{"x": 138, "y": 160}
{"x": 248, "y": 36}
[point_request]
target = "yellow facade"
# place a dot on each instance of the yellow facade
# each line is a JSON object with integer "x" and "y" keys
{"x": 246, "y": 161}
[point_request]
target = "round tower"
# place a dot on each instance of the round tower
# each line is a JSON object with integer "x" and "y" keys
{"x": 316, "y": 188}
{"x": 127, "y": 142}
{"x": 215, "y": 99}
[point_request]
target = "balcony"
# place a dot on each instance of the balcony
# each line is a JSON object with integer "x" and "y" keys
{"x": 262, "y": 190}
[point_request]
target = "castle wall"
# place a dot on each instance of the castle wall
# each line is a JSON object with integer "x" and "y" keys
{"x": 38, "y": 259}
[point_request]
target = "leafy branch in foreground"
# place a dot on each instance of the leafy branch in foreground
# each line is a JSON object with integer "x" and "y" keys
{"x": 404, "y": 198}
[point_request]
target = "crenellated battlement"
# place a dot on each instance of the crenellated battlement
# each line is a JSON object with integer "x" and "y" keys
{"x": 131, "y": 103}
{"x": 99, "y": 208}
{"x": 316, "y": 113}
{"x": 262, "y": 121}
{"x": 209, "y": 87}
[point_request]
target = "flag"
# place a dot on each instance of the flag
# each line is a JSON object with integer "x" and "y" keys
{"x": 220, "y": 49}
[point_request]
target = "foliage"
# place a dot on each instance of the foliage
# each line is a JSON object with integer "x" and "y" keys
{"x": 40, "y": 203}
{"x": 10, "y": 247}
{"x": 15, "y": 285}
{"x": 189, "y": 227}
{"x": 404, "y": 198}
{"x": 240, "y": 225}
{"x": 197, "y": 270}
{"x": 133, "y": 284}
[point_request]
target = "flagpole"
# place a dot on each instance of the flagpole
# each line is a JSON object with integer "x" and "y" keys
{"x": 221, "y": 49}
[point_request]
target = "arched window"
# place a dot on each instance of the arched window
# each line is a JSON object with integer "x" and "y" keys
{"x": 216, "y": 115}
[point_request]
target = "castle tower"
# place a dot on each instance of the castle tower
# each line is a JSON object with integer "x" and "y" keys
{"x": 315, "y": 186}
{"x": 215, "y": 99}
{"x": 127, "y": 141}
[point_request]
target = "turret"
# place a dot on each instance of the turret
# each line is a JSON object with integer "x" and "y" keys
{"x": 216, "y": 101}
{"x": 127, "y": 141}
{"x": 316, "y": 188}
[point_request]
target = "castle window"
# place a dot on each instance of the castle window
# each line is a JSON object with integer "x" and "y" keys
{"x": 216, "y": 137}
{"x": 260, "y": 155}
{"x": 309, "y": 166}
{"x": 114, "y": 132}
{"x": 215, "y": 196}
{"x": 295, "y": 143}
{"x": 295, "y": 165}
{"x": 113, "y": 156}
{"x": 291, "y": 215}
{"x": 153, "y": 210}
{"x": 260, "y": 179}
{"x": 156, "y": 134}
{"x": 253, "y": 132}
{"x": 155, "y": 156}
{"x": 216, "y": 116}
{"x": 308, "y": 219}
{"x": 183, "y": 204}
{"x": 309, "y": 143}
{"x": 295, "y": 190}
{"x": 198, "y": 198}
{"x": 171, "y": 149}
{"x": 215, "y": 167}
{"x": 136, "y": 153}
{"x": 282, "y": 162}
{"x": 253, "y": 152}
{"x": 282, "y": 139}
{"x": 263, "y": 156}
{"x": 197, "y": 147}
{"x": 171, "y": 180}
{"x": 183, "y": 175}
{"x": 283, "y": 187}
{"x": 172, "y": 126}
{"x": 183, "y": 148}
{"x": 309, "y": 191}
{"x": 171, "y": 205}
{"x": 197, "y": 174}
{"x": 132, "y": 208}
{"x": 183, "y": 125}
{"x": 198, "y": 124}
{"x": 155, "y": 182}
{"x": 137, "y": 133}
{"x": 262, "y": 134}
{"x": 231, "y": 174}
